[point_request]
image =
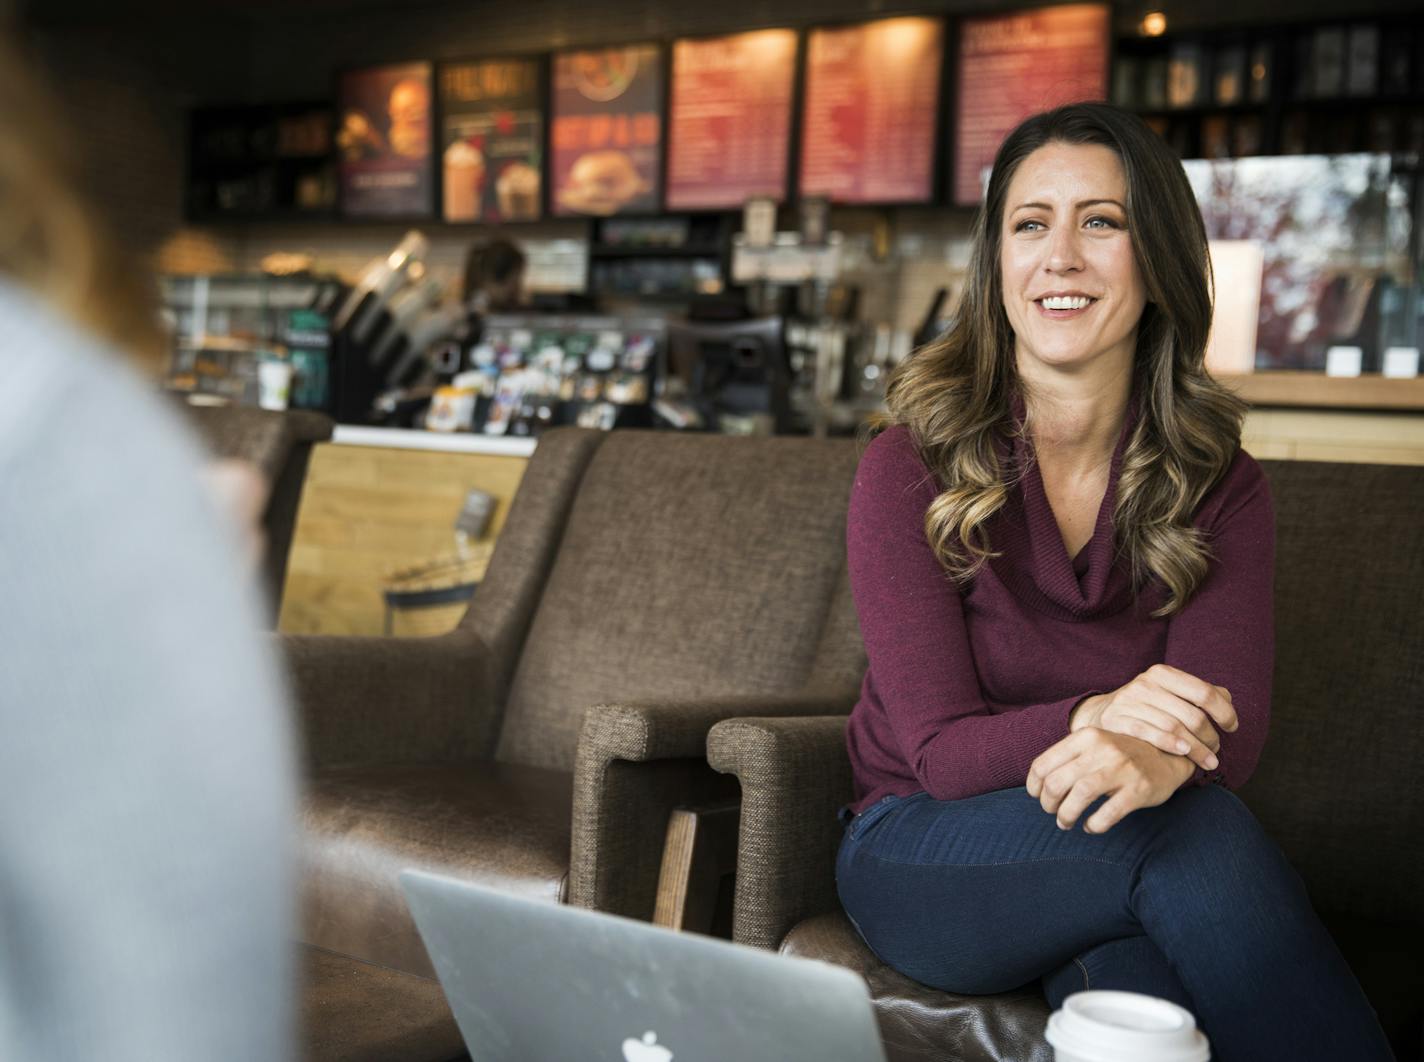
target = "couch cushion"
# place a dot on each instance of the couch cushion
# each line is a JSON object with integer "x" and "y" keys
{"x": 355, "y": 1012}
{"x": 495, "y": 824}
{"x": 918, "y": 1023}
{"x": 1336, "y": 784}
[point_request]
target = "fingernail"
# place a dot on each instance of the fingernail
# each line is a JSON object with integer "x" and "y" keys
{"x": 1211, "y": 762}
{"x": 1183, "y": 747}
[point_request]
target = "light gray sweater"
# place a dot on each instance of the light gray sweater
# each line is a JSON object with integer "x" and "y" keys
{"x": 147, "y": 786}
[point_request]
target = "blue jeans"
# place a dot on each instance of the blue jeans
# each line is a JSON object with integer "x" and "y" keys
{"x": 1189, "y": 901}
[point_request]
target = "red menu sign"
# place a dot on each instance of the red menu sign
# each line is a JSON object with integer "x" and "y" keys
{"x": 607, "y": 130}
{"x": 730, "y": 120}
{"x": 1013, "y": 66}
{"x": 872, "y": 107}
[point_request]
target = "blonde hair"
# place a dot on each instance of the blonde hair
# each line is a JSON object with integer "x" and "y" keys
{"x": 956, "y": 395}
{"x": 51, "y": 242}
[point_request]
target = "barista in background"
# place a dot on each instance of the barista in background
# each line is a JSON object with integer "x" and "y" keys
{"x": 494, "y": 283}
{"x": 494, "y": 278}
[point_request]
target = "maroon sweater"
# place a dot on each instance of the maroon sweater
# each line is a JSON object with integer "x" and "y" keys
{"x": 966, "y": 686}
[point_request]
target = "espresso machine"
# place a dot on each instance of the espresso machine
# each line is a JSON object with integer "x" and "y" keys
{"x": 384, "y": 332}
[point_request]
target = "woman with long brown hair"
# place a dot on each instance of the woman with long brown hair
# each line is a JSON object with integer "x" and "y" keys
{"x": 1062, "y": 565}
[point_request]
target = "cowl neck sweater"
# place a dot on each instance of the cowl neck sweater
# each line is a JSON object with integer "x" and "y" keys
{"x": 968, "y": 683}
{"x": 1032, "y": 559}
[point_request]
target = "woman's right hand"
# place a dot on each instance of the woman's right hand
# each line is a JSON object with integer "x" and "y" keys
{"x": 1166, "y": 707}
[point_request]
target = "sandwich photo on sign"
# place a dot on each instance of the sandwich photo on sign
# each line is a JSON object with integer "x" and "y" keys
{"x": 607, "y": 131}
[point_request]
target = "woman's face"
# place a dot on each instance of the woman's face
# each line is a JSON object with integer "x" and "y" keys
{"x": 1072, "y": 289}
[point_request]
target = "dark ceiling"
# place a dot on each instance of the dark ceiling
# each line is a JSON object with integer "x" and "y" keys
{"x": 1182, "y": 14}
{"x": 43, "y": 12}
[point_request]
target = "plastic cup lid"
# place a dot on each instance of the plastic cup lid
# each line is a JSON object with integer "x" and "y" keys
{"x": 1126, "y": 1027}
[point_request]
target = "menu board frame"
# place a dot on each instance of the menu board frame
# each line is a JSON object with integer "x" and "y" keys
{"x": 544, "y": 66}
{"x": 940, "y": 140}
{"x": 552, "y": 211}
{"x": 787, "y": 194}
{"x": 426, "y": 212}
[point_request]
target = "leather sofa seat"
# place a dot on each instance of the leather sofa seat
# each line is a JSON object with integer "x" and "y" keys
{"x": 341, "y": 1024}
{"x": 921, "y": 1024}
{"x": 498, "y": 824}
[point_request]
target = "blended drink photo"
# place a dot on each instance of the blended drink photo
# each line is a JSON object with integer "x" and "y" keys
{"x": 464, "y": 181}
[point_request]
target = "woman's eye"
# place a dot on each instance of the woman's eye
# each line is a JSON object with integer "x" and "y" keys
{"x": 1028, "y": 225}
{"x": 1100, "y": 222}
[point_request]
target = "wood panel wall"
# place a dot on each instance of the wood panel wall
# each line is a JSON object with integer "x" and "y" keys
{"x": 1320, "y": 435}
{"x": 366, "y": 512}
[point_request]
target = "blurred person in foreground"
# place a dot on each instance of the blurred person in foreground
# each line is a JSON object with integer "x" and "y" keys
{"x": 1062, "y": 562}
{"x": 147, "y": 779}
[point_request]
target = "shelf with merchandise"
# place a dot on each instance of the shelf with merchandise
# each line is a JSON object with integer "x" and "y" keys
{"x": 1313, "y": 88}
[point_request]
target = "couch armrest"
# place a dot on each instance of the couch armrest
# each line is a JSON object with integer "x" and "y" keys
{"x": 795, "y": 775}
{"x": 390, "y": 700}
{"x": 638, "y": 761}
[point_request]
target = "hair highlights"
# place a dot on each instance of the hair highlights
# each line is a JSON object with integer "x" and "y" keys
{"x": 955, "y": 395}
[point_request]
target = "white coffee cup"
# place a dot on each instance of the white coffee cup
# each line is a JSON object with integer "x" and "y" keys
{"x": 274, "y": 384}
{"x": 1124, "y": 1027}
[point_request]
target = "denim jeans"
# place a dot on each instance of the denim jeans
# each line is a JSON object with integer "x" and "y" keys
{"x": 1189, "y": 901}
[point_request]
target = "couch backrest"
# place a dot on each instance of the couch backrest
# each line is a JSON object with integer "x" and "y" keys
{"x": 1338, "y": 785}
{"x": 280, "y": 444}
{"x": 689, "y": 565}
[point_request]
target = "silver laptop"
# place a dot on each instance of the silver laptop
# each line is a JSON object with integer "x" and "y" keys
{"x": 539, "y": 982}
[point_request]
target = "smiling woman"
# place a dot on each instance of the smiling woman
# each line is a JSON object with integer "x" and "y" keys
{"x": 1062, "y": 564}
{"x": 955, "y": 397}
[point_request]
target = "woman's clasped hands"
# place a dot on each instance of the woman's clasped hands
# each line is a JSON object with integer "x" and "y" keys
{"x": 1135, "y": 745}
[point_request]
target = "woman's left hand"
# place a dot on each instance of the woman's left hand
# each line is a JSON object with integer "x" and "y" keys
{"x": 1091, "y": 763}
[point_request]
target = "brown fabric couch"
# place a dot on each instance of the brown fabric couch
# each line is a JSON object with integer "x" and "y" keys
{"x": 644, "y": 587}
{"x": 280, "y": 444}
{"x": 1338, "y": 786}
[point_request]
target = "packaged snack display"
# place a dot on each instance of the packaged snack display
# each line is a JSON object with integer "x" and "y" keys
{"x": 532, "y": 372}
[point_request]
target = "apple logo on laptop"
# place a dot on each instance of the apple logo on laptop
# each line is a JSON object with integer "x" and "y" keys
{"x": 646, "y": 1050}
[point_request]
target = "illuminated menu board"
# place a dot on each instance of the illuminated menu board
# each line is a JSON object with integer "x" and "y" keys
{"x": 607, "y": 130}
{"x": 492, "y": 140}
{"x": 729, "y": 125}
{"x": 871, "y": 111}
{"x": 1012, "y": 66}
{"x": 384, "y": 141}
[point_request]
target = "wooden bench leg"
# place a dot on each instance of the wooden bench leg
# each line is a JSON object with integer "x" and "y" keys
{"x": 699, "y": 855}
